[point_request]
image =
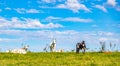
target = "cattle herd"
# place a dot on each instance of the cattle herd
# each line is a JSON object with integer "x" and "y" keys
{"x": 51, "y": 47}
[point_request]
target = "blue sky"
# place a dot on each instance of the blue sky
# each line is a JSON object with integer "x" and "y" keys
{"x": 37, "y": 22}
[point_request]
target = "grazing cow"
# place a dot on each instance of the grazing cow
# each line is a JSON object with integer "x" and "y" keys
{"x": 19, "y": 51}
{"x": 80, "y": 46}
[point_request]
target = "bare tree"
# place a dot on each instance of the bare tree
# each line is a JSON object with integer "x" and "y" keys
{"x": 112, "y": 46}
{"x": 102, "y": 43}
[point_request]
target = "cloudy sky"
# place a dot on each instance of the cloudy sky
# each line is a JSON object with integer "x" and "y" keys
{"x": 37, "y": 22}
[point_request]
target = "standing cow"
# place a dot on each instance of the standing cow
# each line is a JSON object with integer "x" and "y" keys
{"x": 53, "y": 45}
{"x": 80, "y": 46}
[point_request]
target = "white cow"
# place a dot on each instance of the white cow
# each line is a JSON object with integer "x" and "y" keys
{"x": 19, "y": 51}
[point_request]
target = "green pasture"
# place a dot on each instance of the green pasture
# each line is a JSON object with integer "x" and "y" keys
{"x": 60, "y": 59}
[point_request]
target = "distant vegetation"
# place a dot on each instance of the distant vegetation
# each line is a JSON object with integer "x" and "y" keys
{"x": 60, "y": 59}
{"x": 110, "y": 48}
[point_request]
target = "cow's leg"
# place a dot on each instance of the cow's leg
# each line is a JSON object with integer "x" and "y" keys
{"x": 83, "y": 50}
{"x": 77, "y": 50}
{"x": 50, "y": 49}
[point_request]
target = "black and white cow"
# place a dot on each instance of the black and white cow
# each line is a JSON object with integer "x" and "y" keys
{"x": 52, "y": 46}
{"x": 80, "y": 46}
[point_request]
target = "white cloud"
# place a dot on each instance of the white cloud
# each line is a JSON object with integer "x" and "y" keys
{"x": 111, "y": 2}
{"x": 7, "y": 40}
{"x": 51, "y": 25}
{"x": 109, "y": 34}
{"x": 42, "y": 34}
{"x": 50, "y": 18}
{"x": 108, "y": 39}
{"x": 61, "y": 6}
{"x": 76, "y": 19}
{"x": 15, "y": 22}
{"x": 32, "y": 11}
{"x": 101, "y": 33}
{"x": 20, "y": 10}
{"x": 70, "y": 32}
{"x": 101, "y": 8}
{"x": 73, "y": 5}
{"x": 68, "y": 19}
{"x": 23, "y": 10}
{"x": 49, "y": 1}
{"x": 103, "y": 39}
{"x": 114, "y": 4}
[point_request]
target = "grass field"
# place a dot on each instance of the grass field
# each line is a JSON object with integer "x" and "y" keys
{"x": 60, "y": 59}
